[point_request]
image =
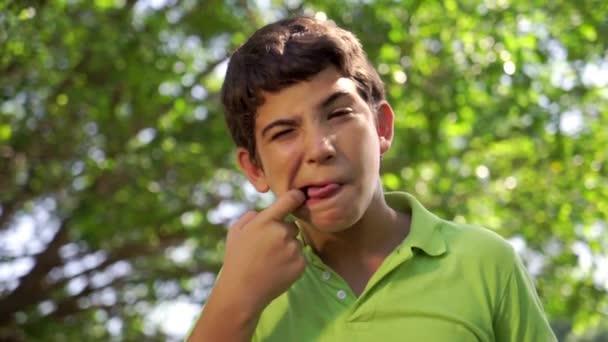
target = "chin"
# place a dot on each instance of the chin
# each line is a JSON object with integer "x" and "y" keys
{"x": 329, "y": 222}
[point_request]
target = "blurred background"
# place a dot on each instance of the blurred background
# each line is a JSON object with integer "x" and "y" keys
{"x": 118, "y": 180}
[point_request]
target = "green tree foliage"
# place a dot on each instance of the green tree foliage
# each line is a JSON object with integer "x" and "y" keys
{"x": 117, "y": 177}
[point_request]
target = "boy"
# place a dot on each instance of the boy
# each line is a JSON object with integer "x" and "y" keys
{"x": 308, "y": 114}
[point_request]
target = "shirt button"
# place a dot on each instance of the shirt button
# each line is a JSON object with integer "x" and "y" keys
{"x": 341, "y": 294}
{"x": 326, "y": 275}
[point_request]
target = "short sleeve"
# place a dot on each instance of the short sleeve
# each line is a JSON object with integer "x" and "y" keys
{"x": 519, "y": 315}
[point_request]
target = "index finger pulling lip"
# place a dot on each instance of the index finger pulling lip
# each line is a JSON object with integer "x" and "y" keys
{"x": 285, "y": 204}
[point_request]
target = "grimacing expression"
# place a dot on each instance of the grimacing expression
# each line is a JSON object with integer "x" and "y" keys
{"x": 320, "y": 136}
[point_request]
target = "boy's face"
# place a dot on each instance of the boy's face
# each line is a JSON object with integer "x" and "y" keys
{"x": 321, "y": 137}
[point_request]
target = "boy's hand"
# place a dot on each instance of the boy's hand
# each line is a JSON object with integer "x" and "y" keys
{"x": 263, "y": 257}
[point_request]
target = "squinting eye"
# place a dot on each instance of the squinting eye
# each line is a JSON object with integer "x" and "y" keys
{"x": 339, "y": 113}
{"x": 281, "y": 133}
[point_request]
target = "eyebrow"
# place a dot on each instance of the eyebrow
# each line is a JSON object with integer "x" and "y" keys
{"x": 333, "y": 98}
{"x": 328, "y": 101}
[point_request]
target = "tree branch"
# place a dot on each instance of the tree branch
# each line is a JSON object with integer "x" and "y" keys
{"x": 127, "y": 252}
{"x": 30, "y": 286}
{"x": 70, "y": 306}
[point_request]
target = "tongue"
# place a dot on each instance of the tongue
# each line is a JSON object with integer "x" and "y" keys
{"x": 321, "y": 191}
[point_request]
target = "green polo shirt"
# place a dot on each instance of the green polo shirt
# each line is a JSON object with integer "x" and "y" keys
{"x": 444, "y": 282}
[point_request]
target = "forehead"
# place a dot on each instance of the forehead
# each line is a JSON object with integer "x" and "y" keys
{"x": 304, "y": 96}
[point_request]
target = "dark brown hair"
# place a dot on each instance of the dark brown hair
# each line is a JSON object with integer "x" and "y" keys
{"x": 284, "y": 53}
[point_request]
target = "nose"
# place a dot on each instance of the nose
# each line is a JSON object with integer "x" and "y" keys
{"x": 320, "y": 147}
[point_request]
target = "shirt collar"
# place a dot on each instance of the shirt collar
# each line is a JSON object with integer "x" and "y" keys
{"x": 424, "y": 231}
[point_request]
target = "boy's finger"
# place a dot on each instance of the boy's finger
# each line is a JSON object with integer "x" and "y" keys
{"x": 243, "y": 220}
{"x": 292, "y": 229}
{"x": 283, "y": 206}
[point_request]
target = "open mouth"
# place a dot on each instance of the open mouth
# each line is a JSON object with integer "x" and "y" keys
{"x": 305, "y": 191}
{"x": 319, "y": 192}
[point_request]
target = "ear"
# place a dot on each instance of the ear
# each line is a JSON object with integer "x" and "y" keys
{"x": 385, "y": 125}
{"x": 252, "y": 169}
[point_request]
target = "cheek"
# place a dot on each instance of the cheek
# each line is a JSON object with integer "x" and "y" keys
{"x": 282, "y": 165}
{"x": 369, "y": 150}
{"x": 366, "y": 139}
